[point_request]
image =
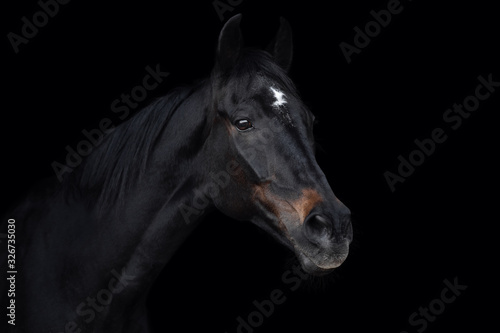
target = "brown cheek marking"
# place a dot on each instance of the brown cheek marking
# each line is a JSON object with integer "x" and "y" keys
{"x": 293, "y": 210}
{"x": 303, "y": 205}
{"x": 271, "y": 202}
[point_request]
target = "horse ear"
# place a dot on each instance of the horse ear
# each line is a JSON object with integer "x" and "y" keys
{"x": 281, "y": 47}
{"x": 230, "y": 44}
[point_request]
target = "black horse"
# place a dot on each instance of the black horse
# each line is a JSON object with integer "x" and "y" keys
{"x": 241, "y": 141}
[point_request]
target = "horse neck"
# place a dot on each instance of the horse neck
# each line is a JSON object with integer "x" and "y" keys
{"x": 158, "y": 213}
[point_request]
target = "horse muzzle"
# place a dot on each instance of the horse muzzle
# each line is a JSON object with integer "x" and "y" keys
{"x": 322, "y": 244}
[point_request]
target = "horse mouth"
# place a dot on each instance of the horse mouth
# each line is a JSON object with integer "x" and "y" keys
{"x": 316, "y": 268}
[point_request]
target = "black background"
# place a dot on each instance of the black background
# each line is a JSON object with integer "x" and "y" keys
{"x": 438, "y": 224}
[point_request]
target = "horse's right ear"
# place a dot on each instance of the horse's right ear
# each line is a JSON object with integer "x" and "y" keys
{"x": 281, "y": 48}
{"x": 230, "y": 44}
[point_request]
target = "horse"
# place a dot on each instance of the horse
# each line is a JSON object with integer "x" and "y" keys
{"x": 240, "y": 141}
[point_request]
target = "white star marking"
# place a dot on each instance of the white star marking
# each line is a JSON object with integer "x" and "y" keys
{"x": 280, "y": 98}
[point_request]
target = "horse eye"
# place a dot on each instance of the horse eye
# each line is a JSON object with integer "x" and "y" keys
{"x": 243, "y": 124}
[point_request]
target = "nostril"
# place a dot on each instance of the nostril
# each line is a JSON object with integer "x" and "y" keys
{"x": 317, "y": 226}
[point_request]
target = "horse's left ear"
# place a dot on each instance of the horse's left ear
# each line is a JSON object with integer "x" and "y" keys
{"x": 230, "y": 44}
{"x": 281, "y": 48}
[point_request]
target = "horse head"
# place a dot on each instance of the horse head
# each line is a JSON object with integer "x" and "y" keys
{"x": 261, "y": 138}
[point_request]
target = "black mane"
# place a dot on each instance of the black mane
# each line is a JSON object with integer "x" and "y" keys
{"x": 121, "y": 158}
